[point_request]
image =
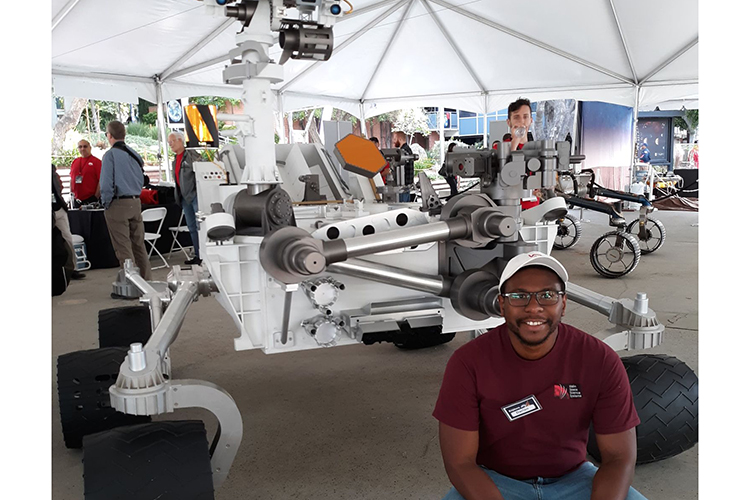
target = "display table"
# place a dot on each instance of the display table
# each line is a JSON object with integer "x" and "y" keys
{"x": 92, "y": 225}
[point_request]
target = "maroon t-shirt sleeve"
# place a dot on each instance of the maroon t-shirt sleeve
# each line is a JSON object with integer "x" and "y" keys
{"x": 614, "y": 411}
{"x": 457, "y": 404}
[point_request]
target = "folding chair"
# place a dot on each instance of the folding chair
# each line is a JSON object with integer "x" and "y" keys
{"x": 154, "y": 215}
{"x": 79, "y": 246}
{"x": 176, "y": 230}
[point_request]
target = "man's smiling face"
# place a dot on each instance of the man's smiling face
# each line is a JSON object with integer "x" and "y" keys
{"x": 533, "y": 327}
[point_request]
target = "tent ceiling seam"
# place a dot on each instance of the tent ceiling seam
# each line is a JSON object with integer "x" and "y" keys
{"x": 532, "y": 41}
{"x": 197, "y": 67}
{"x": 293, "y": 93}
{"x": 126, "y": 32}
{"x": 348, "y": 41}
{"x": 197, "y": 47}
{"x": 671, "y": 59}
{"x": 453, "y": 45}
{"x": 102, "y": 76}
{"x": 624, "y": 43}
{"x": 387, "y": 48}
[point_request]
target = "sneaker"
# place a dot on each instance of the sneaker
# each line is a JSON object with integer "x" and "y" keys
{"x": 77, "y": 275}
{"x": 194, "y": 261}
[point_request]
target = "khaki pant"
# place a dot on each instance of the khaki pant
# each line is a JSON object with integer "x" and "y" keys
{"x": 63, "y": 224}
{"x": 126, "y": 231}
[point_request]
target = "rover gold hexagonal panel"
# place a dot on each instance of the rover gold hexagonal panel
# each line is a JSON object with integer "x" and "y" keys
{"x": 360, "y": 156}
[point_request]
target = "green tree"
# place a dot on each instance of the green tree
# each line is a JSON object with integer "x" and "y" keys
{"x": 67, "y": 122}
{"x": 689, "y": 122}
{"x": 219, "y": 102}
{"x": 410, "y": 121}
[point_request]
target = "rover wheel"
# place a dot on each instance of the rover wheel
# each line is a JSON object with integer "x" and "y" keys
{"x": 568, "y": 232}
{"x": 166, "y": 460}
{"x": 656, "y": 233}
{"x": 122, "y": 326}
{"x": 615, "y": 254}
{"x": 83, "y": 381}
{"x": 665, "y": 393}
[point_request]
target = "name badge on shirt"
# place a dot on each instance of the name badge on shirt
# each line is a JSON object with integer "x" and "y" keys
{"x": 519, "y": 409}
{"x": 79, "y": 179}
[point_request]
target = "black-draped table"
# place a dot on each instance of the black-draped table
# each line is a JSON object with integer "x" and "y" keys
{"x": 92, "y": 226}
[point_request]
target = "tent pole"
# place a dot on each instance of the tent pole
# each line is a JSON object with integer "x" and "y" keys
{"x": 530, "y": 40}
{"x": 441, "y": 131}
{"x": 362, "y": 124}
{"x": 624, "y": 43}
{"x": 486, "y": 123}
{"x": 453, "y": 45}
{"x": 290, "y": 122}
{"x": 670, "y": 60}
{"x": 387, "y": 47}
{"x": 205, "y": 41}
{"x": 63, "y": 12}
{"x": 161, "y": 125}
{"x": 634, "y": 142}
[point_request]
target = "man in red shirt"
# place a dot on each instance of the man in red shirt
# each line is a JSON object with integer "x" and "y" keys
{"x": 84, "y": 174}
{"x": 186, "y": 193}
{"x": 516, "y": 403}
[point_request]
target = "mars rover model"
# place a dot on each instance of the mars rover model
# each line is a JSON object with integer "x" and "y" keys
{"x": 296, "y": 271}
{"x": 615, "y": 253}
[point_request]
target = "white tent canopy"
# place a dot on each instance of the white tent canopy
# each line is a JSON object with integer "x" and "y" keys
{"x": 476, "y": 55}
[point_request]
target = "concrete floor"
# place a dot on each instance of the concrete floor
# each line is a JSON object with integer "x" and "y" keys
{"x": 355, "y": 422}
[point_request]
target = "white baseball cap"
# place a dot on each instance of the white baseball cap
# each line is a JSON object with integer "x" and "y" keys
{"x": 532, "y": 259}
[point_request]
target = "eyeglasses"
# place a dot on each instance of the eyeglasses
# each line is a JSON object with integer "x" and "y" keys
{"x": 543, "y": 298}
{"x": 82, "y": 147}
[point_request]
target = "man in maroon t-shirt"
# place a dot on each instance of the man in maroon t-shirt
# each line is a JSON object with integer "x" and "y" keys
{"x": 519, "y": 121}
{"x": 84, "y": 174}
{"x": 516, "y": 403}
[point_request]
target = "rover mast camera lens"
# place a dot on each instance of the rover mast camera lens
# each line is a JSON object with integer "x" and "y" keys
{"x": 335, "y": 9}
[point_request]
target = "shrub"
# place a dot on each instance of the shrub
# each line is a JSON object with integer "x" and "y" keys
{"x": 149, "y": 118}
{"x": 423, "y": 164}
{"x": 142, "y": 130}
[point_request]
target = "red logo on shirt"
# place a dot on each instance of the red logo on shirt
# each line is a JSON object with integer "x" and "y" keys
{"x": 570, "y": 391}
{"x": 560, "y": 391}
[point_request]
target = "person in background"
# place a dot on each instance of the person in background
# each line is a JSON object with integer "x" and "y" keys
{"x": 375, "y": 141}
{"x": 84, "y": 175}
{"x": 185, "y": 192}
{"x": 120, "y": 186}
{"x": 693, "y": 155}
{"x": 452, "y": 180}
{"x": 644, "y": 155}
{"x": 60, "y": 212}
{"x": 516, "y": 403}
{"x": 519, "y": 121}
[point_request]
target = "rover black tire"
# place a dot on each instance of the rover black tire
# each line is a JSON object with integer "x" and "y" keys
{"x": 656, "y": 233}
{"x": 420, "y": 340}
{"x": 568, "y": 232}
{"x": 665, "y": 394}
{"x": 615, "y": 254}
{"x": 166, "y": 460}
{"x": 83, "y": 381}
{"x": 122, "y": 326}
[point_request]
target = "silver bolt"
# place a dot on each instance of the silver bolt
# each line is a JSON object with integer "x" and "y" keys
{"x": 136, "y": 357}
{"x": 641, "y": 303}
